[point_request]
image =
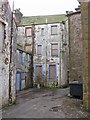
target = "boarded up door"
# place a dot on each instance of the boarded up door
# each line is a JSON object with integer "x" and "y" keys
{"x": 39, "y": 71}
{"x": 52, "y": 72}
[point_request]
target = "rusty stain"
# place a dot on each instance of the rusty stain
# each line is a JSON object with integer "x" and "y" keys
{"x": 10, "y": 71}
{"x": 6, "y": 61}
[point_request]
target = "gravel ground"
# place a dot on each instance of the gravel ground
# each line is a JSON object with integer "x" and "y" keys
{"x": 45, "y": 103}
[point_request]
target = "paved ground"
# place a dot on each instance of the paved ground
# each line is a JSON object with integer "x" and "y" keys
{"x": 45, "y": 103}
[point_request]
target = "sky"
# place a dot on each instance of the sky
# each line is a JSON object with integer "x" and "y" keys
{"x": 44, "y": 7}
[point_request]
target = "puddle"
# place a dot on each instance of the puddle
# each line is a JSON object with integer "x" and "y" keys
{"x": 56, "y": 108}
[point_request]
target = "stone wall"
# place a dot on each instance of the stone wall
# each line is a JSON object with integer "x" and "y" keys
{"x": 22, "y": 39}
{"x": 1, "y": 40}
{"x": 75, "y": 46}
{"x": 24, "y": 44}
{"x": 6, "y": 66}
{"x": 85, "y": 12}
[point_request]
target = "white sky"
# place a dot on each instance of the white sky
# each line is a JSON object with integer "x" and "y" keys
{"x": 44, "y": 7}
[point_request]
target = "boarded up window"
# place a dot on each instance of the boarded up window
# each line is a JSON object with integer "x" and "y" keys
{"x": 39, "y": 71}
{"x": 52, "y": 69}
{"x": 28, "y": 31}
{"x": 28, "y": 48}
{"x": 54, "y": 49}
{"x": 42, "y": 31}
{"x": 39, "y": 52}
{"x": 54, "y": 30}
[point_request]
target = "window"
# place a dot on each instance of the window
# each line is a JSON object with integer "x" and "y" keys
{"x": 39, "y": 52}
{"x": 54, "y": 49}
{"x": 28, "y": 47}
{"x": 27, "y": 57}
{"x": 28, "y": 31}
{"x": 54, "y": 30}
{"x": 20, "y": 57}
{"x": 42, "y": 31}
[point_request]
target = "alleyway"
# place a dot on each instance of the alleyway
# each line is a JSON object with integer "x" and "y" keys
{"x": 45, "y": 103}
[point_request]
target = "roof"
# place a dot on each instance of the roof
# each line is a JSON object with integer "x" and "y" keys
{"x": 28, "y": 20}
{"x": 20, "y": 47}
{"x": 73, "y": 13}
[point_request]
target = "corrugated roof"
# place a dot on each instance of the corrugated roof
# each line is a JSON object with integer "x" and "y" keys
{"x": 28, "y": 20}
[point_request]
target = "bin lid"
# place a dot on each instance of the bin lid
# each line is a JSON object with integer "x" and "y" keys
{"x": 75, "y": 82}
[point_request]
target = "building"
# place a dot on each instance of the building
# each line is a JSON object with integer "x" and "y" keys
{"x": 24, "y": 68}
{"x": 75, "y": 45}
{"x": 48, "y": 41}
{"x": 50, "y": 62}
{"x": 15, "y": 60}
{"x": 2, "y": 27}
{"x": 85, "y": 15}
{"x": 8, "y": 32}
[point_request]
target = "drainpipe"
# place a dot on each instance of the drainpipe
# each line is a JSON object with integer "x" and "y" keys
{"x": 10, "y": 64}
{"x": 69, "y": 61}
{"x": 33, "y": 37}
{"x": 61, "y": 55}
{"x": 59, "y": 82}
{"x": 60, "y": 61}
{"x": 46, "y": 51}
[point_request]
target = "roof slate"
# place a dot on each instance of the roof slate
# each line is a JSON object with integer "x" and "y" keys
{"x": 28, "y": 20}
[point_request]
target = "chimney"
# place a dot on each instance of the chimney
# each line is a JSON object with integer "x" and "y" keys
{"x": 78, "y": 9}
{"x": 69, "y": 12}
{"x": 18, "y": 15}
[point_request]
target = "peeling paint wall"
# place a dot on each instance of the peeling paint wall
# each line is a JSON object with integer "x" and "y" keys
{"x": 13, "y": 64}
{"x": 24, "y": 44}
{"x": 5, "y": 64}
{"x": 22, "y": 39}
{"x": 64, "y": 55}
{"x": 46, "y": 59}
{"x": 5, "y": 68}
{"x": 1, "y": 45}
{"x": 22, "y": 68}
